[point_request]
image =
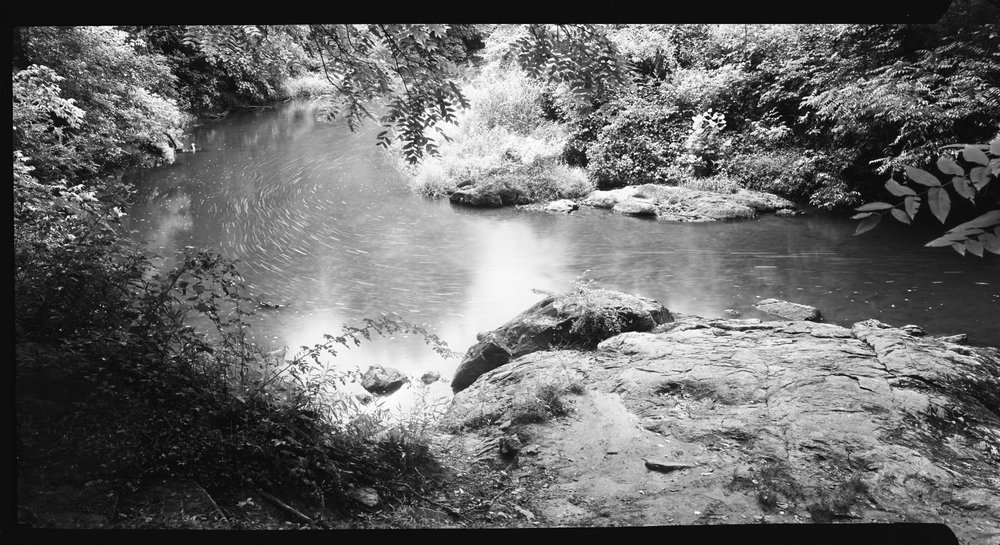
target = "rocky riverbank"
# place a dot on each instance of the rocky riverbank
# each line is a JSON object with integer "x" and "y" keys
{"x": 600, "y": 408}
{"x": 719, "y": 421}
{"x": 662, "y": 202}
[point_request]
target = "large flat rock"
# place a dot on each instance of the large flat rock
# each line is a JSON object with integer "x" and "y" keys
{"x": 788, "y": 421}
{"x": 673, "y": 203}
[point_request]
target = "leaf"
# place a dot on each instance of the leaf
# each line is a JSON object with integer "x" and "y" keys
{"x": 974, "y": 247}
{"x": 867, "y": 224}
{"x": 963, "y": 187}
{"x": 991, "y": 243}
{"x": 898, "y": 190}
{"x": 979, "y": 177}
{"x": 947, "y": 166}
{"x": 995, "y": 147}
{"x": 912, "y": 204}
{"x": 986, "y": 220}
{"x": 939, "y": 202}
{"x": 862, "y": 215}
{"x": 922, "y": 177}
{"x": 901, "y": 216}
{"x": 944, "y": 240}
{"x": 973, "y": 154}
{"x": 869, "y": 207}
{"x": 960, "y": 248}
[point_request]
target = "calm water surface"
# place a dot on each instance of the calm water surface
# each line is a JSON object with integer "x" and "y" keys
{"x": 322, "y": 222}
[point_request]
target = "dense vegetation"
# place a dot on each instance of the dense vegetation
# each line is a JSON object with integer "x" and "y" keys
{"x": 110, "y": 370}
{"x": 107, "y": 357}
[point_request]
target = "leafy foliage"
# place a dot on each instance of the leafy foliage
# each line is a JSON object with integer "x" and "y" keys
{"x": 579, "y": 57}
{"x": 631, "y": 143}
{"x": 122, "y": 93}
{"x": 413, "y": 67}
{"x": 969, "y": 182}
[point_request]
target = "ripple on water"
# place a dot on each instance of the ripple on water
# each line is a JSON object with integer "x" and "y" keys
{"x": 321, "y": 221}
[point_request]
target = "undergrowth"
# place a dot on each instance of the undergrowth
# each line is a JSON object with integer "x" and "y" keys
{"x": 117, "y": 379}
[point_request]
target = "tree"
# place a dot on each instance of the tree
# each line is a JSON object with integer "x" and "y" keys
{"x": 121, "y": 91}
{"x": 982, "y": 166}
{"x": 411, "y": 71}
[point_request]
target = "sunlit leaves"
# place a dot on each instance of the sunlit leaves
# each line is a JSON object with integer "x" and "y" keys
{"x": 974, "y": 247}
{"x": 898, "y": 190}
{"x": 974, "y": 154}
{"x": 963, "y": 187}
{"x": 867, "y": 224}
{"x": 900, "y": 215}
{"x": 921, "y": 176}
{"x": 948, "y": 166}
{"x": 939, "y": 203}
{"x": 972, "y": 236}
{"x": 873, "y": 206}
{"x": 912, "y": 204}
{"x": 578, "y": 56}
{"x": 975, "y": 232}
{"x": 991, "y": 242}
{"x": 412, "y": 66}
{"x": 979, "y": 177}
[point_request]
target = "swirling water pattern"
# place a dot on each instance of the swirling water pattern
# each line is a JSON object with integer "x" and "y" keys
{"x": 323, "y": 224}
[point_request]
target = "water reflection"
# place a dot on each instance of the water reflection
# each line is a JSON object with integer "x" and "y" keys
{"x": 323, "y": 224}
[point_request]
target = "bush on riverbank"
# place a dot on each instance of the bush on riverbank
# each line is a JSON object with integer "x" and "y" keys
{"x": 503, "y": 143}
{"x": 306, "y": 85}
{"x": 136, "y": 393}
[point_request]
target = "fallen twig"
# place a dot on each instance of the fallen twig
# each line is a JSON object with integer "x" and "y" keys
{"x": 447, "y": 509}
{"x": 667, "y": 465}
{"x": 211, "y": 500}
{"x": 292, "y": 511}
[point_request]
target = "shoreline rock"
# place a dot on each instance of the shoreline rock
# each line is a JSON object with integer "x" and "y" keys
{"x": 579, "y": 318}
{"x": 788, "y": 310}
{"x": 662, "y": 202}
{"x": 383, "y": 381}
{"x": 672, "y": 203}
{"x": 790, "y": 420}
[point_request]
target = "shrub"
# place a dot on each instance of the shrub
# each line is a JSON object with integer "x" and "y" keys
{"x": 307, "y": 85}
{"x": 797, "y": 174}
{"x": 634, "y": 142}
{"x": 502, "y": 143}
{"x": 544, "y": 402}
{"x": 704, "y": 144}
{"x": 123, "y": 93}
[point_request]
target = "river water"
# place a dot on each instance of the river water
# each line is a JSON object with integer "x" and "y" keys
{"x": 322, "y": 223}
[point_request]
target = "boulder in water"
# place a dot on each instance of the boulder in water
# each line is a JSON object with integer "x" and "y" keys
{"x": 383, "y": 380}
{"x": 788, "y": 310}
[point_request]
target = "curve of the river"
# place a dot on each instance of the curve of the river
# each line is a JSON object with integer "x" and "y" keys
{"x": 322, "y": 222}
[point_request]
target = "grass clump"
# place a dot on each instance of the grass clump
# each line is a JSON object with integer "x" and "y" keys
{"x": 545, "y": 402}
{"x": 838, "y": 504}
{"x": 772, "y": 484}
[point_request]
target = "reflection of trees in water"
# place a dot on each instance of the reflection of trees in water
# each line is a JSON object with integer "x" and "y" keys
{"x": 321, "y": 220}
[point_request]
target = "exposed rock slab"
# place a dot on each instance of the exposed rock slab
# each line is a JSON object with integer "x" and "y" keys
{"x": 673, "y": 203}
{"x": 789, "y": 310}
{"x": 489, "y": 195}
{"x": 794, "y": 421}
{"x": 564, "y": 206}
{"x": 578, "y": 318}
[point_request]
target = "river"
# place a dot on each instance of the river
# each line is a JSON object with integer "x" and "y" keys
{"x": 323, "y": 224}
